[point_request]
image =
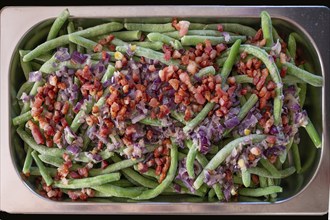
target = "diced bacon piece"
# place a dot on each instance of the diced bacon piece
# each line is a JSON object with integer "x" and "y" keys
{"x": 36, "y": 133}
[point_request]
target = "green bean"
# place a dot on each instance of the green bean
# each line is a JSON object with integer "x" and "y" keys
{"x": 223, "y": 154}
{"x": 63, "y": 40}
{"x": 148, "y": 44}
{"x": 260, "y": 191}
{"x": 218, "y": 191}
{"x": 80, "y": 48}
{"x": 242, "y": 100}
{"x": 135, "y": 176}
{"x": 243, "y": 79}
{"x": 234, "y": 28}
{"x": 262, "y": 179}
{"x": 149, "y": 27}
{"x": 302, "y": 93}
{"x": 55, "y": 161}
{"x": 209, "y": 70}
{"x": 26, "y": 87}
{"x": 88, "y": 182}
{"x": 211, "y": 193}
{"x": 118, "y": 42}
{"x": 178, "y": 116}
{"x": 76, "y": 121}
{"x": 193, "y": 40}
{"x": 108, "y": 74}
{"x": 176, "y": 35}
{"x": 34, "y": 171}
{"x": 109, "y": 190}
{"x": 42, "y": 58}
{"x": 266, "y": 25}
{"x": 190, "y": 161}
{"x": 271, "y": 183}
{"x": 81, "y": 41}
{"x": 289, "y": 79}
{"x": 292, "y": 46}
{"x": 115, "y": 167}
{"x": 27, "y": 162}
{"x": 307, "y": 77}
{"x": 152, "y": 122}
{"x": 283, "y": 155}
{"x": 228, "y": 65}
{"x": 263, "y": 56}
{"x": 298, "y": 38}
{"x": 269, "y": 167}
{"x": 199, "y": 118}
{"x": 246, "y": 178}
{"x": 71, "y": 29}
{"x": 313, "y": 134}
{"x": 45, "y": 175}
{"x": 26, "y": 67}
{"x": 151, "y": 173}
{"x": 122, "y": 183}
{"x": 296, "y": 157}
{"x": 20, "y": 119}
{"x": 148, "y": 53}
{"x": 200, "y": 157}
{"x": 58, "y": 23}
{"x": 156, "y": 37}
{"x": 39, "y": 148}
{"x": 261, "y": 172}
{"x": 45, "y": 47}
{"x": 152, "y": 193}
{"x": 128, "y": 35}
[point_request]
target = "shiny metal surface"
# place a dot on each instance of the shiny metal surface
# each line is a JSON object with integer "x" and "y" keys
{"x": 304, "y": 194}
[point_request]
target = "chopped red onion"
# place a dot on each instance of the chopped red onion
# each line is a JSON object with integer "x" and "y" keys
{"x": 69, "y": 135}
{"x": 106, "y": 83}
{"x": 35, "y": 76}
{"x": 26, "y": 98}
{"x": 271, "y": 58}
{"x": 138, "y": 118}
{"x": 227, "y": 36}
{"x": 62, "y": 54}
{"x": 78, "y": 57}
{"x": 74, "y": 149}
{"x": 129, "y": 51}
{"x": 231, "y": 123}
{"x": 97, "y": 157}
{"x": 277, "y": 48}
{"x": 77, "y": 107}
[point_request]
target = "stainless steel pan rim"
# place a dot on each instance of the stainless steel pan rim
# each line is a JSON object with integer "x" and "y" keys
{"x": 320, "y": 176}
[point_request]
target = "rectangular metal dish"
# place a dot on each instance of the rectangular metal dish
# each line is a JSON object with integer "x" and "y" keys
{"x": 303, "y": 194}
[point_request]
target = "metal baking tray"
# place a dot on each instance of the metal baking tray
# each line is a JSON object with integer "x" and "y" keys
{"x": 303, "y": 194}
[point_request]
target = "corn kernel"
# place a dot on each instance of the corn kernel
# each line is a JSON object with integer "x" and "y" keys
{"x": 247, "y": 131}
{"x": 118, "y": 55}
{"x": 241, "y": 163}
{"x": 133, "y": 48}
{"x": 233, "y": 191}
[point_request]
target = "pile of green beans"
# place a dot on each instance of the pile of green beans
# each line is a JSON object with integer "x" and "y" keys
{"x": 122, "y": 178}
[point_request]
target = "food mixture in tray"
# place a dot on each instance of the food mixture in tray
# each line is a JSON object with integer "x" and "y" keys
{"x": 136, "y": 110}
